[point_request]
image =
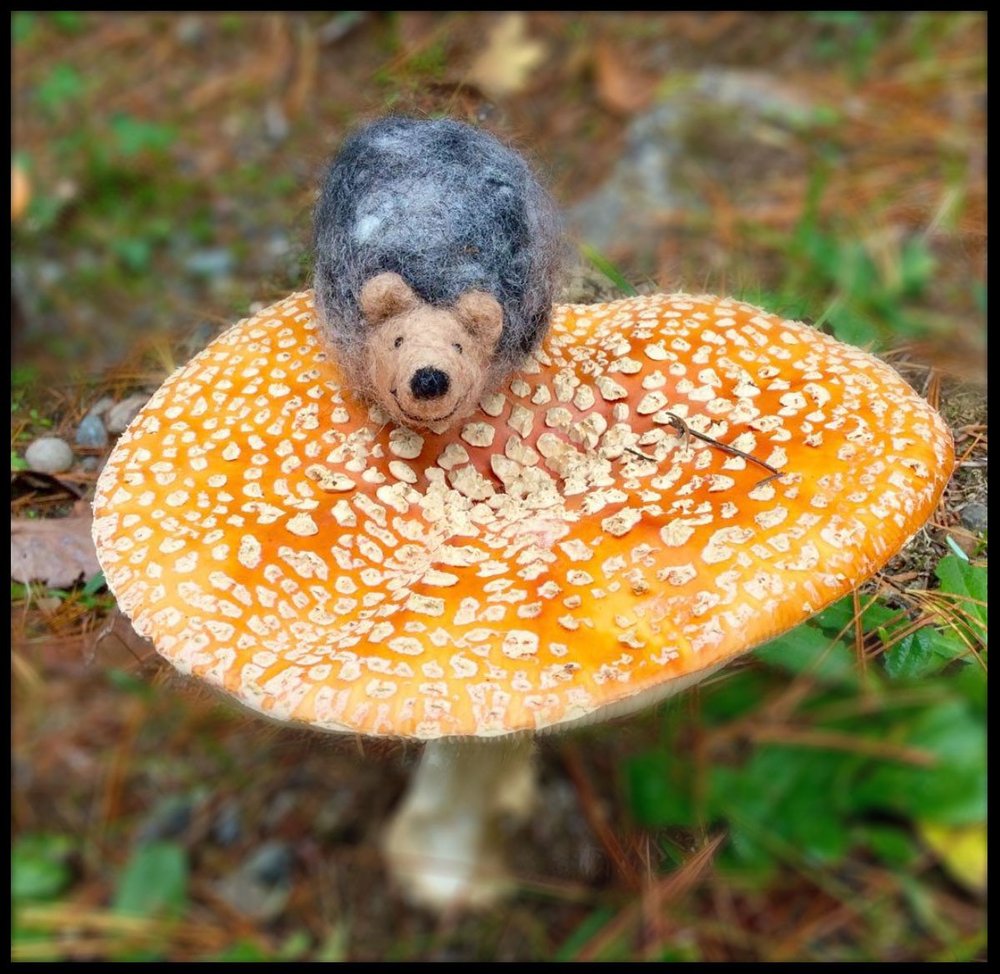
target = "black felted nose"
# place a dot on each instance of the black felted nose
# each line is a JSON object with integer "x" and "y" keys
{"x": 429, "y": 383}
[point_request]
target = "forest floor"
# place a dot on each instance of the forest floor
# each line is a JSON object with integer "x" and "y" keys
{"x": 830, "y": 167}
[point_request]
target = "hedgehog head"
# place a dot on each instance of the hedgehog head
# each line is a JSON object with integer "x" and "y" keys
{"x": 427, "y": 365}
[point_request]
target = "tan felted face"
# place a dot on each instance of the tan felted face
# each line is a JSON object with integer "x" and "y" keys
{"x": 428, "y": 366}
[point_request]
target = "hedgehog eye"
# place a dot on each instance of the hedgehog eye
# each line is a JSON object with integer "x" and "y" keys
{"x": 398, "y": 341}
{"x": 457, "y": 347}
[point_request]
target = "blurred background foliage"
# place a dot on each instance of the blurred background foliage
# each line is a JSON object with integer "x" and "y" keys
{"x": 823, "y": 799}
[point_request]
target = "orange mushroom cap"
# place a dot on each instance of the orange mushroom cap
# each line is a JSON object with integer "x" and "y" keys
{"x": 568, "y": 550}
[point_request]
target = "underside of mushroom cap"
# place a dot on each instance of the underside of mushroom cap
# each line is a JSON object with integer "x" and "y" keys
{"x": 574, "y": 546}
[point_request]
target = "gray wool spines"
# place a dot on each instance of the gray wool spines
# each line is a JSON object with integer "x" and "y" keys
{"x": 450, "y": 209}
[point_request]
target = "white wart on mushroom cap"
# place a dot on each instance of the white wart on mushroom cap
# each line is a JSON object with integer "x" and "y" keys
{"x": 565, "y": 551}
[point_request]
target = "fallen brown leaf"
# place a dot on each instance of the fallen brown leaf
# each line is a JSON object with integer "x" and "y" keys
{"x": 508, "y": 59}
{"x": 620, "y": 89}
{"x": 56, "y": 551}
{"x": 20, "y": 191}
{"x": 32, "y": 487}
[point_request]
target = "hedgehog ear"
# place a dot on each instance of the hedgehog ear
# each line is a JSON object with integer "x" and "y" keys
{"x": 481, "y": 315}
{"x": 385, "y": 296}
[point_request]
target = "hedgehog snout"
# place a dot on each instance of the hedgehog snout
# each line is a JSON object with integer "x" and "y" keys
{"x": 429, "y": 383}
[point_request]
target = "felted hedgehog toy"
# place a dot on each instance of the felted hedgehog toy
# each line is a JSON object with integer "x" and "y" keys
{"x": 435, "y": 264}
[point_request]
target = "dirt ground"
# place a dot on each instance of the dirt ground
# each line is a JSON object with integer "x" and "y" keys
{"x": 830, "y": 167}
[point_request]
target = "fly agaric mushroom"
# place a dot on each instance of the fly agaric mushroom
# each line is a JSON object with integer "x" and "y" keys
{"x": 671, "y": 481}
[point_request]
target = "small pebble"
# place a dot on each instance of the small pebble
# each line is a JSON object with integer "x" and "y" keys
{"x": 227, "y": 826}
{"x": 271, "y": 864}
{"x": 49, "y": 454}
{"x": 190, "y": 30}
{"x": 340, "y": 25}
{"x": 282, "y": 804}
{"x": 91, "y": 433}
{"x": 200, "y": 335}
{"x": 333, "y": 818}
{"x": 276, "y": 125}
{"x": 101, "y": 406}
{"x": 90, "y": 464}
{"x": 213, "y": 262}
{"x": 50, "y": 272}
{"x": 260, "y": 887}
{"x": 973, "y": 517}
{"x": 277, "y": 245}
{"x": 169, "y": 819}
{"x": 120, "y": 415}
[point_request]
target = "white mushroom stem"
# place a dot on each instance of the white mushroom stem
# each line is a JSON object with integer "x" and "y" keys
{"x": 442, "y": 847}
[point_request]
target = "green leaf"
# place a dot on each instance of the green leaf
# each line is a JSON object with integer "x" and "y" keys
{"x": 584, "y": 933}
{"x": 961, "y": 577}
{"x": 785, "y": 796}
{"x": 736, "y": 693}
{"x": 22, "y": 26}
{"x": 808, "y": 649}
{"x": 17, "y": 462}
{"x": 979, "y": 294}
{"x": 686, "y": 953}
{"x": 953, "y": 544}
{"x": 68, "y": 21}
{"x": 294, "y": 945}
{"x": 854, "y": 328}
{"x": 128, "y": 683}
{"x": 94, "y": 584}
{"x": 335, "y": 947}
{"x": 61, "y": 86}
{"x": 242, "y": 950}
{"x": 132, "y": 136}
{"x": 38, "y": 868}
{"x": 968, "y": 582}
{"x": 839, "y": 617}
{"x": 23, "y": 375}
{"x": 608, "y": 269}
{"x": 154, "y": 881}
{"x": 135, "y": 254}
{"x": 970, "y": 682}
{"x": 747, "y": 852}
{"x": 953, "y": 790}
{"x": 917, "y": 266}
{"x": 893, "y": 846}
{"x": 921, "y": 653}
{"x": 660, "y": 790}
{"x": 838, "y": 18}
{"x": 44, "y": 211}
